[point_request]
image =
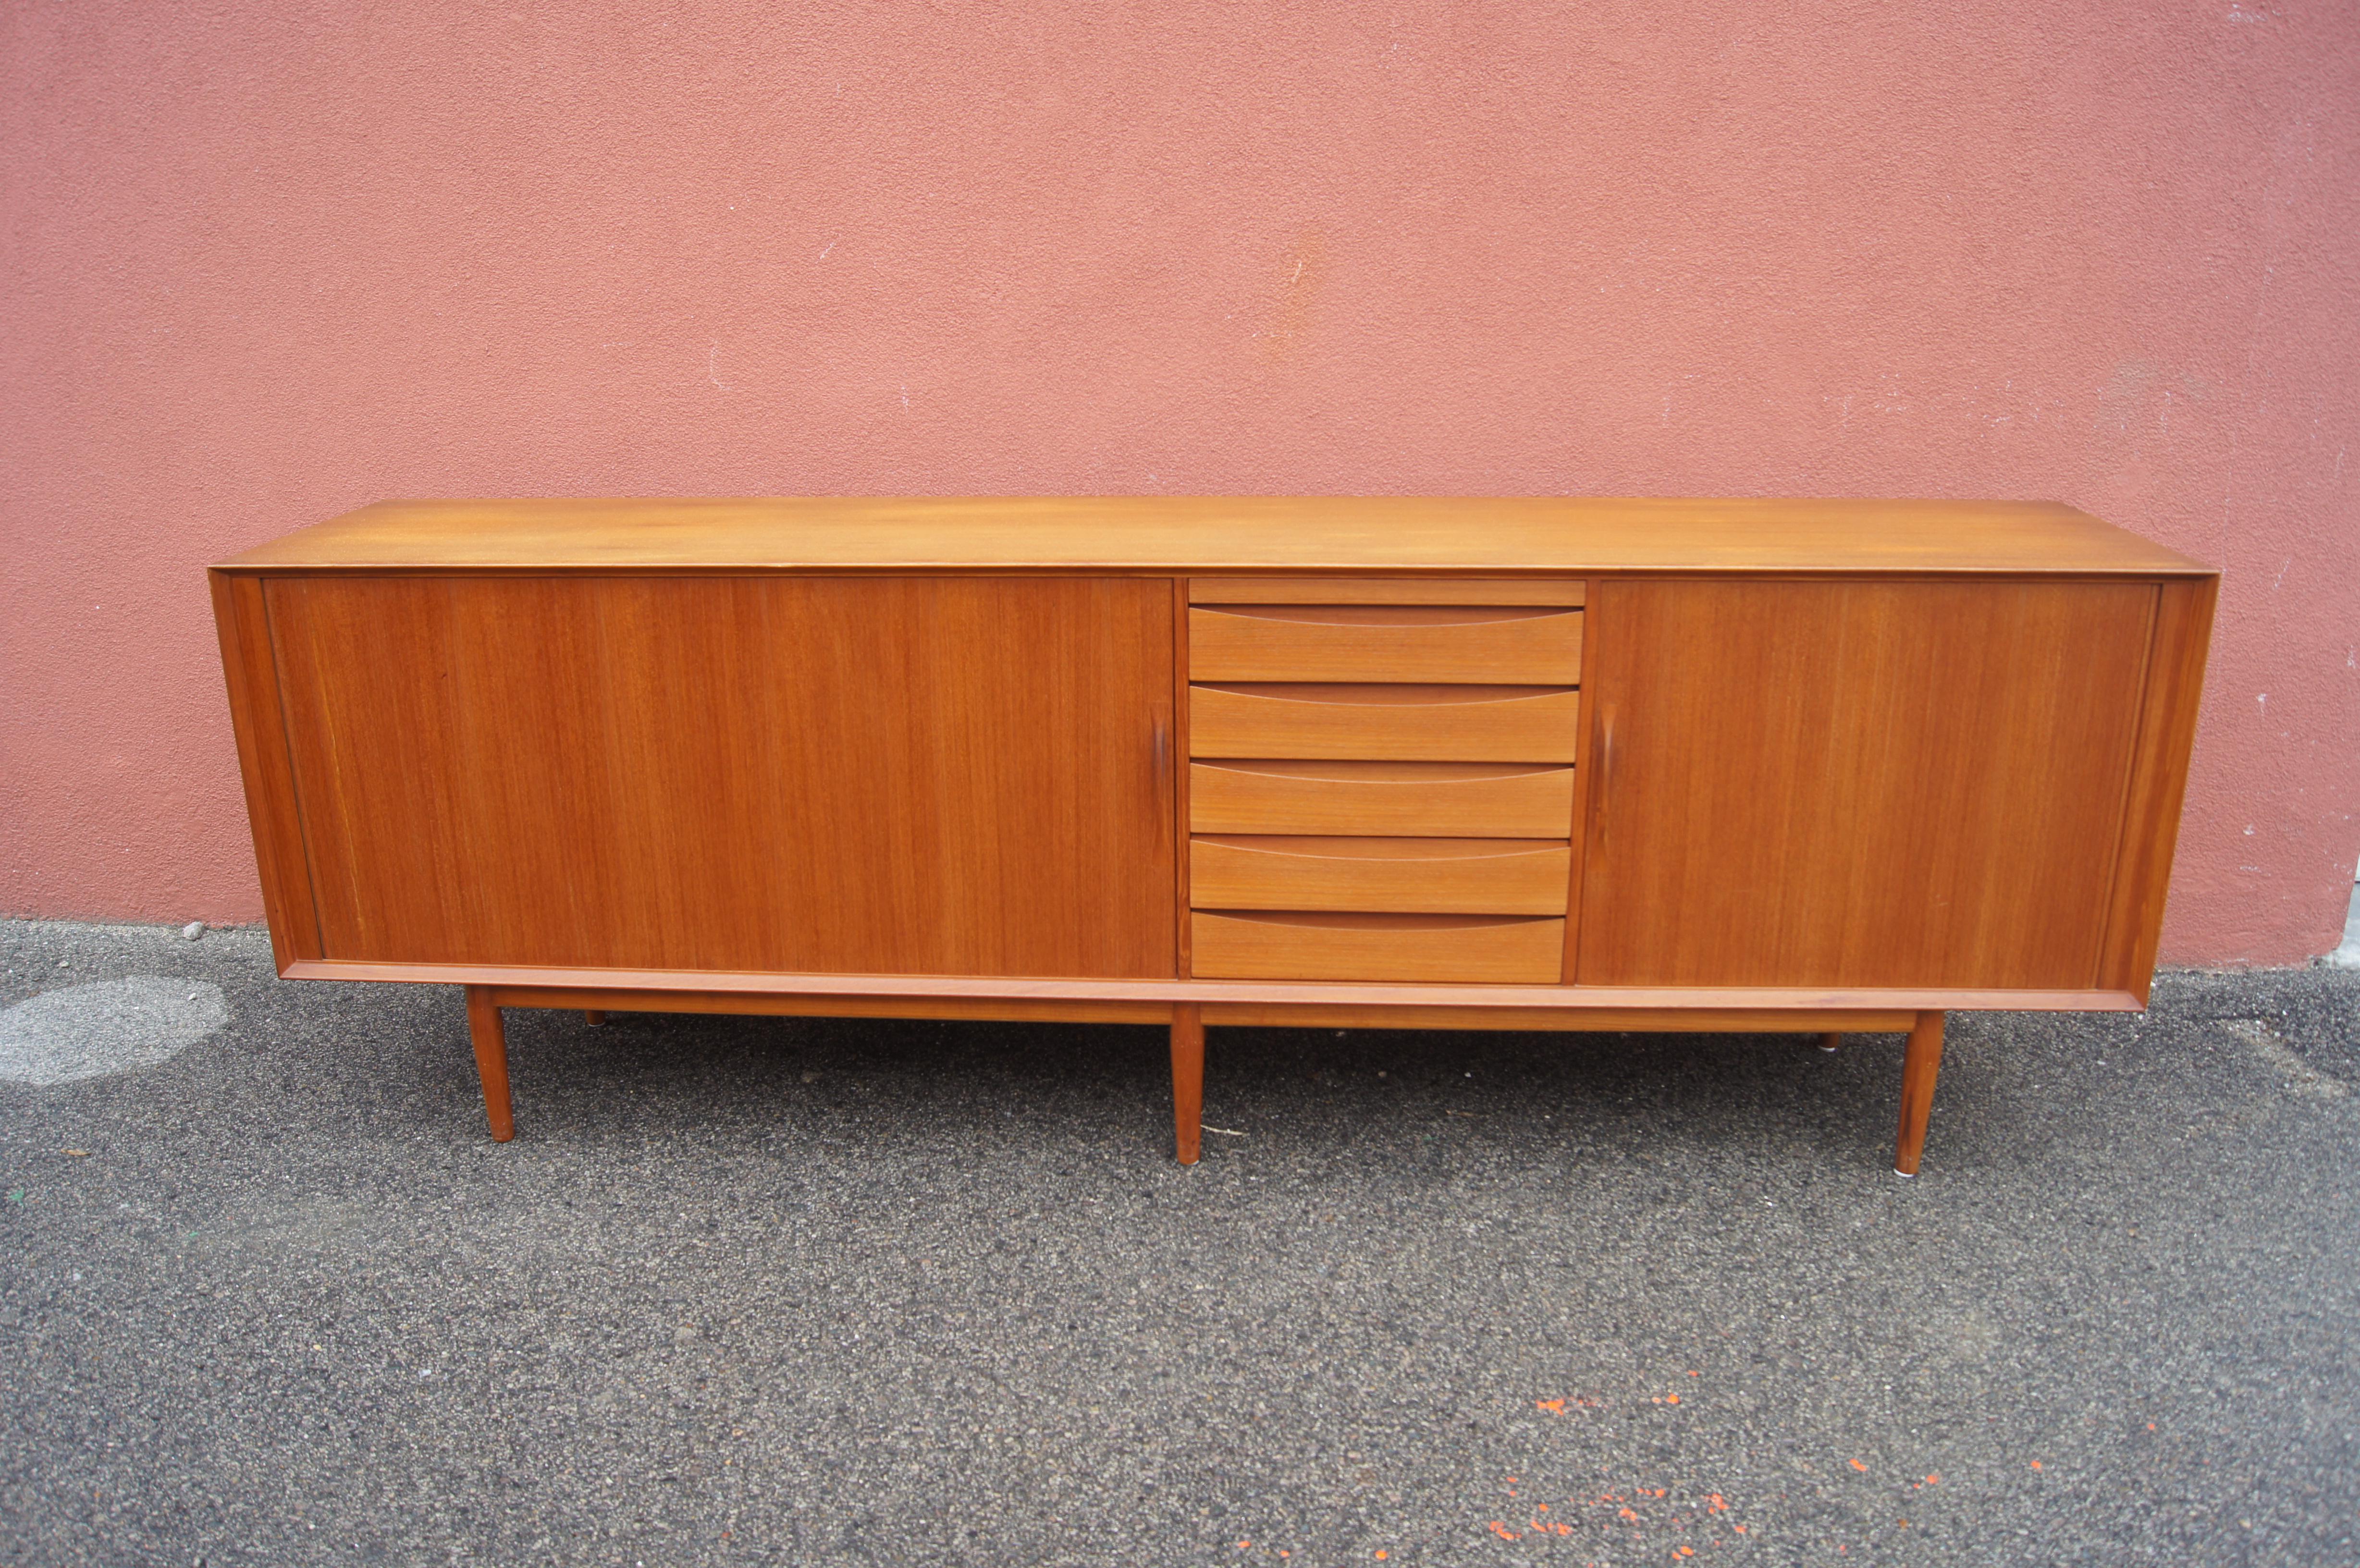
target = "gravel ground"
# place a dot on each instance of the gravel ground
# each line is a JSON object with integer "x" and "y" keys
{"x": 788, "y": 1290}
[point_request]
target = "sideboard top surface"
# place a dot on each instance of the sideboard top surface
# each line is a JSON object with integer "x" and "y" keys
{"x": 1195, "y": 534}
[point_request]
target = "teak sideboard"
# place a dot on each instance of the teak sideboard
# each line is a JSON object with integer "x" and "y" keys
{"x": 1527, "y": 764}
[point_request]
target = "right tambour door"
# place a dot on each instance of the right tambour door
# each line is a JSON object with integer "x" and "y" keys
{"x": 1857, "y": 783}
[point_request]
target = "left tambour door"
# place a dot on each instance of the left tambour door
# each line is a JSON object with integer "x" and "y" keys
{"x": 879, "y": 775}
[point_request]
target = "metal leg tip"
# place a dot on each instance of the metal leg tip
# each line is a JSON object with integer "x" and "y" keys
{"x": 1904, "y": 1175}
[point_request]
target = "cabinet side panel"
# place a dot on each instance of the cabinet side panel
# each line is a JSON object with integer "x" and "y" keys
{"x": 833, "y": 774}
{"x": 1864, "y": 783}
{"x": 2175, "y": 686}
{"x": 259, "y": 727}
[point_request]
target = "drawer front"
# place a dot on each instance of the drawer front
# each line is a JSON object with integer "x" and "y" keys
{"x": 1437, "y": 723}
{"x": 1451, "y": 949}
{"x": 1499, "y": 644}
{"x": 1429, "y": 876}
{"x": 1387, "y": 590}
{"x": 1433, "y": 799}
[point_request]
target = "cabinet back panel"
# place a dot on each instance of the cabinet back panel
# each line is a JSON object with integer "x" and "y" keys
{"x": 1857, "y": 783}
{"x": 841, "y": 775}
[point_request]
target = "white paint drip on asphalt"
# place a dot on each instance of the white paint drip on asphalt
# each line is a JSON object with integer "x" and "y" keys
{"x": 107, "y": 1027}
{"x": 2272, "y": 1048}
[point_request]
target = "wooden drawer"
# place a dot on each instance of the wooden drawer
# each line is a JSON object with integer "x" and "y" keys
{"x": 1432, "y": 799}
{"x": 1529, "y": 644}
{"x": 1430, "y": 875}
{"x": 1434, "y": 723}
{"x": 1474, "y": 949}
{"x": 1387, "y": 590}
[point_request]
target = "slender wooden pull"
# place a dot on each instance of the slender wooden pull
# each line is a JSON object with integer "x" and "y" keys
{"x": 1602, "y": 787}
{"x": 1160, "y": 757}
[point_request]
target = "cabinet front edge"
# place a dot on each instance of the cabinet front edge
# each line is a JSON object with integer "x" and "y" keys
{"x": 987, "y": 987}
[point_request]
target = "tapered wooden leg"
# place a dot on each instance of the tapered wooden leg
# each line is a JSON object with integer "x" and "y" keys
{"x": 1919, "y": 1070}
{"x": 491, "y": 1060}
{"x": 1831, "y": 1042}
{"x": 1187, "y": 1080}
{"x": 593, "y": 1017}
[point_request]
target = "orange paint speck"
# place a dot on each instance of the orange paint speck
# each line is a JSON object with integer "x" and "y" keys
{"x": 1503, "y": 1532}
{"x": 1858, "y": 1465}
{"x": 1739, "y": 1529}
{"x": 1671, "y": 1399}
{"x": 1933, "y": 1481}
{"x": 2035, "y": 1465}
{"x": 1554, "y": 1407}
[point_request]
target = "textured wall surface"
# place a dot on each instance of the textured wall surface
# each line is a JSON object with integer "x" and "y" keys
{"x": 266, "y": 263}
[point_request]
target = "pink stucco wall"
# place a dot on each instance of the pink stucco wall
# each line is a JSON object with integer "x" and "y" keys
{"x": 266, "y": 263}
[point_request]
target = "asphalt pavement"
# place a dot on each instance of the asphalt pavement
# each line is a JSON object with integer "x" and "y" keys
{"x": 759, "y": 1291}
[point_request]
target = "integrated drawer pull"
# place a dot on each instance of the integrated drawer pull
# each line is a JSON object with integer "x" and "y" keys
{"x": 1433, "y": 875}
{"x": 1432, "y": 799}
{"x": 1387, "y": 590}
{"x": 1395, "y": 723}
{"x": 1389, "y": 614}
{"x": 1489, "y": 643}
{"x": 1472, "y": 949}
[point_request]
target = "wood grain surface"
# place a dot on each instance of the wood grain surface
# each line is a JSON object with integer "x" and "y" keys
{"x": 1637, "y": 1021}
{"x": 657, "y": 982}
{"x": 1495, "y": 644}
{"x": 1454, "y": 948}
{"x": 265, "y": 766}
{"x": 1007, "y": 1010}
{"x": 1921, "y": 1065}
{"x": 1386, "y": 590}
{"x": 1214, "y": 536}
{"x": 1385, "y": 723}
{"x": 1188, "y": 1082}
{"x": 2167, "y": 712}
{"x": 1866, "y": 783}
{"x": 905, "y": 775}
{"x": 1431, "y": 799}
{"x": 1428, "y": 876}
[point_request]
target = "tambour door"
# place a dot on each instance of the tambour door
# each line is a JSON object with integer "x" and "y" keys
{"x": 954, "y": 776}
{"x": 1865, "y": 783}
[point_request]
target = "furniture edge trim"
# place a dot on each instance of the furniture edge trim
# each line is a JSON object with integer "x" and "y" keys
{"x": 2192, "y": 571}
{"x": 1684, "y": 1021}
{"x": 1206, "y": 992}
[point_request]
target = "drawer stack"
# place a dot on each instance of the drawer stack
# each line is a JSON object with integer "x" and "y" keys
{"x": 1381, "y": 777}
